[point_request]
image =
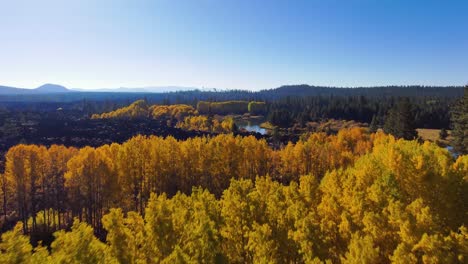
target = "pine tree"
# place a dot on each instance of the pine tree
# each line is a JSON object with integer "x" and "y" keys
{"x": 373, "y": 127}
{"x": 460, "y": 124}
{"x": 399, "y": 121}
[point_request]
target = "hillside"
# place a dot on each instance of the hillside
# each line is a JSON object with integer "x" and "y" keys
{"x": 43, "y": 89}
{"x": 51, "y": 88}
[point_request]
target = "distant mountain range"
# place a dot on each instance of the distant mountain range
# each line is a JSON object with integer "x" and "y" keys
{"x": 149, "y": 89}
{"x": 283, "y": 91}
{"x": 55, "y": 88}
{"x": 43, "y": 89}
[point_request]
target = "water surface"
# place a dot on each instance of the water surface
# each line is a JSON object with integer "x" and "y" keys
{"x": 251, "y": 125}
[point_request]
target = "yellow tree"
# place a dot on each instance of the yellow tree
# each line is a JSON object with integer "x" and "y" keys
{"x": 92, "y": 184}
{"x": 59, "y": 157}
{"x": 126, "y": 236}
{"x": 15, "y": 247}
{"x": 238, "y": 210}
{"x": 79, "y": 246}
{"x": 25, "y": 171}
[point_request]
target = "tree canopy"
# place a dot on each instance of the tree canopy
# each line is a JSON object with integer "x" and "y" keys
{"x": 399, "y": 201}
{"x": 358, "y": 196}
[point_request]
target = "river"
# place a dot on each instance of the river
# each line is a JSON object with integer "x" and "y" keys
{"x": 251, "y": 125}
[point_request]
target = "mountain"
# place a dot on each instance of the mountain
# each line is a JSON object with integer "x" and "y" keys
{"x": 12, "y": 90}
{"x": 51, "y": 88}
{"x": 271, "y": 94}
{"x": 149, "y": 89}
{"x": 47, "y": 88}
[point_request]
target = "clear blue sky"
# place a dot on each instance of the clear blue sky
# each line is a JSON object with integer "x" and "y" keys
{"x": 247, "y": 44}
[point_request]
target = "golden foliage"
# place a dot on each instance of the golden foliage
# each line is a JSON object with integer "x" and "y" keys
{"x": 140, "y": 109}
{"x": 204, "y": 123}
{"x": 179, "y": 111}
{"x": 363, "y": 199}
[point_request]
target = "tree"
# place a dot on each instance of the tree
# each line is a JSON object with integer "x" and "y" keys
{"x": 238, "y": 211}
{"x": 257, "y": 108}
{"x": 92, "y": 184}
{"x": 361, "y": 250}
{"x": 125, "y": 236}
{"x": 15, "y": 247}
{"x": 399, "y": 121}
{"x": 366, "y": 198}
{"x": 443, "y": 134}
{"x": 281, "y": 118}
{"x": 138, "y": 109}
{"x": 262, "y": 244}
{"x": 25, "y": 171}
{"x": 374, "y": 126}
{"x": 276, "y": 137}
{"x": 79, "y": 246}
{"x": 460, "y": 124}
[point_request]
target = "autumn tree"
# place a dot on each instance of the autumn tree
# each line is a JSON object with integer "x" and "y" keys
{"x": 138, "y": 109}
{"x": 80, "y": 246}
{"x": 26, "y": 173}
{"x": 92, "y": 184}
{"x": 353, "y": 197}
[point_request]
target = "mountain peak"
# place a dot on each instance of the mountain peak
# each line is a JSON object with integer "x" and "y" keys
{"x": 52, "y": 88}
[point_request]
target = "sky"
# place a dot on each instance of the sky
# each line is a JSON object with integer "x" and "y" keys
{"x": 238, "y": 44}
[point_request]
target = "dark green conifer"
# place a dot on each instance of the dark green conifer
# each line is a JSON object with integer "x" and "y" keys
{"x": 399, "y": 121}
{"x": 460, "y": 124}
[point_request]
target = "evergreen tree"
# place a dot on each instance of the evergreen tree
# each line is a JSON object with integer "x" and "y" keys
{"x": 400, "y": 121}
{"x": 374, "y": 126}
{"x": 460, "y": 124}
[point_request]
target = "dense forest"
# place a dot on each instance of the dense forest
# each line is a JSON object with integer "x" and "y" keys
{"x": 350, "y": 198}
{"x": 284, "y": 105}
{"x": 227, "y": 95}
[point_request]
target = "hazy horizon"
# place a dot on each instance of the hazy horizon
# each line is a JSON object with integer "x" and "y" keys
{"x": 248, "y": 45}
{"x": 154, "y": 88}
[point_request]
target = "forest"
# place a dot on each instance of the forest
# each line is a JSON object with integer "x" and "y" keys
{"x": 148, "y": 182}
{"x": 284, "y": 105}
{"x": 350, "y": 198}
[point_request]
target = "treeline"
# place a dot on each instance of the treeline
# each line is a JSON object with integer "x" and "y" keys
{"x": 231, "y": 107}
{"x": 284, "y": 105}
{"x": 61, "y": 129}
{"x": 192, "y": 97}
{"x": 208, "y": 123}
{"x": 93, "y": 180}
{"x": 427, "y": 112}
{"x": 181, "y": 116}
{"x": 305, "y": 90}
{"x": 141, "y": 109}
{"x": 399, "y": 201}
